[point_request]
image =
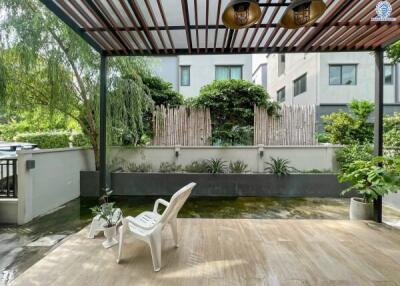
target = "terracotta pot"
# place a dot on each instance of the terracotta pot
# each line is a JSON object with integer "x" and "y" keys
{"x": 110, "y": 233}
{"x": 360, "y": 210}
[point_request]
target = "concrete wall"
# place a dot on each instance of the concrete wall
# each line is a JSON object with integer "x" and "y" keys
{"x": 392, "y": 200}
{"x": 301, "y": 157}
{"x": 202, "y": 70}
{"x": 53, "y": 182}
{"x": 9, "y": 211}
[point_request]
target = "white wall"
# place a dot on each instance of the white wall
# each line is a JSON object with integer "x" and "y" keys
{"x": 296, "y": 65}
{"x": 202, "y": 70}
{"x": 53, "y": 182}
{"x": 301, "y": 157}
{"x": 167, "y": 69}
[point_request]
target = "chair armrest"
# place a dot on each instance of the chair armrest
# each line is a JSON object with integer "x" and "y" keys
{"x": 158, "y": 202}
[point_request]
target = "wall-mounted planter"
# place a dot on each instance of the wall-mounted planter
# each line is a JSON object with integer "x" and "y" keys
{"x": 227, "y": 185}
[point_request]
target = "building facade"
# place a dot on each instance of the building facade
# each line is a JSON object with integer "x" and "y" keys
{"x": 324, "y": 78}
{"x": 188, "y": 74}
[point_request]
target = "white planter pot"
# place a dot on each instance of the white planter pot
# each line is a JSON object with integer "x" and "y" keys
{"x": 110, "y": 233}
{"x": 360, "y": 210}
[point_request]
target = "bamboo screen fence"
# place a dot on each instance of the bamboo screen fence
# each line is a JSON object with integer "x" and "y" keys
{"x": 183, "y": 126}
{"x": 192, "y": 126}
{"x": 294, "y": 126}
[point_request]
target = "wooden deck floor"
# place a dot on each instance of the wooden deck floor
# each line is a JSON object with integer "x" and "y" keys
{"x": 234, "y": 252}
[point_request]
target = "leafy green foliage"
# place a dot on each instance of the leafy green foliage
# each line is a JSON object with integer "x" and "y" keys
{"x": 200, "y": 166}
{"x": 351, "y": 153}
{"x": 279, "y": 166}
{"x": 45, "y": 63}
{"x": 368, "y": 178}
{"x": 139, "y": 168}
{"x": 393, "y": 52}
{"x": 231, "y": 103}
{"x": 79, "y": 140}
{"x": 237, "y": 167}
{"x": 161, "y": 91}
{"x": 391, "y": 135}
{"x": 107, "y": 212}
{"x": 46, "y": 140}
{"x": 353, "y": 127}
{"x": 216, "y": 166}
{"x": 166, "y": 167}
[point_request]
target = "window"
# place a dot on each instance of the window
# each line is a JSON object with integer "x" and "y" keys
{"x": 281, "y": 64}
{"x": 281, "y": 95}
{"x": 228, "y": 72}
{"x": 300, "y": 85}
{"x": 185, "y": 75}
{"x": 388, "y": 73}
{"x": 342, "y": 74}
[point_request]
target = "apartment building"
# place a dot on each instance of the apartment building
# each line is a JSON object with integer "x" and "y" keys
{"x": 328, "y": 80}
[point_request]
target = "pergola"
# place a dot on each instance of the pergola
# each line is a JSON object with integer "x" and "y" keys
{"x": 194, "y": 27}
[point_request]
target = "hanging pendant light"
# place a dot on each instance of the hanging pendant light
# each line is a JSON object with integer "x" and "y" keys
{"x": 241, "y": 14}
{"x": 302, "y": 13}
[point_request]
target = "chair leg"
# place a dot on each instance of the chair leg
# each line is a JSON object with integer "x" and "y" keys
{"x": 155, "y": 247}
{"x": 121, "y": 241}
{"x": 94, "y": 225}
{"x": 174, "y": 230}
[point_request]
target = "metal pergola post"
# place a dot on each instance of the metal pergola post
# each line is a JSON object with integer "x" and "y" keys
{"x": 103, "y": 124}
{"x": 378, "y": 122}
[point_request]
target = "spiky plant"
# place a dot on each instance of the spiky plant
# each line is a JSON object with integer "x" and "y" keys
{"x": 279, "y": 166}
{"x": 216, "y": 166}
{"x": 237, "y": 167}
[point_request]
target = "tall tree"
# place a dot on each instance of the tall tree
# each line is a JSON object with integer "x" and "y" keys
{"x": 43, "y": 62}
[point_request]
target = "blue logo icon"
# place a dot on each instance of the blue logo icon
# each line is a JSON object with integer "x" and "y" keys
{"x": 383, "y": 12}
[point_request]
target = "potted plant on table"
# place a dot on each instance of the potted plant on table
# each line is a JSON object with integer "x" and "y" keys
{"x": 110, "y": 217}
{"x": 370, "y": 179}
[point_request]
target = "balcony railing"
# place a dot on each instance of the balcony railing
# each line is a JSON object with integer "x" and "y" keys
{"x": 8, "y": 178}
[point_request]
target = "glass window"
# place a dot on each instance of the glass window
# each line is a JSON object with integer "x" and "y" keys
{"x": 185, "y": 75}
{"x": 300, "y": 85}
{"x": 281, "y": 95}
{"x": 228, "y": 72}
{"x": 342, "y": 74}
{"x": 281, "y": 64}
{"x": 388, "y": 73}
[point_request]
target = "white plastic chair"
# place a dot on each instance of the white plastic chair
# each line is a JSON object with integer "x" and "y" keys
{"x": 148, "y": 226}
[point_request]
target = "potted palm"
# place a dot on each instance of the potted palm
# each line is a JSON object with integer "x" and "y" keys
{"x": 110, "y": 217}
{"x": 369, "y": 179}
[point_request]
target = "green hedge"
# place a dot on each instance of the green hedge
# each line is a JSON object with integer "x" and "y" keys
{"x": 53, "y": 140}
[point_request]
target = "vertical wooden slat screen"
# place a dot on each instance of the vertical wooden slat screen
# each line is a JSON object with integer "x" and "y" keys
{"x": 181, "y": 126}
{"x": 295, "y": 125}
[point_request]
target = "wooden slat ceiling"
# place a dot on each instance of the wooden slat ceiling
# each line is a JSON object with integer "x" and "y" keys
{"x": 178, "y": 27}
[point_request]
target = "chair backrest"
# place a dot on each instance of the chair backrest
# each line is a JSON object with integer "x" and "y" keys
{"x": 176, "y": 203}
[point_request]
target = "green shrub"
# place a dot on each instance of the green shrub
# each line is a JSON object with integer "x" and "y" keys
{"x": 200, "y": 166}
{"x": 369, "y": 178}
{"x": 353, "y": 127}
{"x": 166, "y": 167}
{"x": 237, "y": 167}
{"x": 79, "y": 140}
{"x": 45, "y": 140}
{"x": 139, "y": 168}
{"x": 352, "y": 153}
{"x": 279, "y": 167}
{"x": 391, "y": 134}
{"x": 216, "y": 166}
{"x": 231, "y": 103}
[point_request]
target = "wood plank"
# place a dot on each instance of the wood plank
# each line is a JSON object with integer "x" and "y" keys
{"x": 233, "y": 252}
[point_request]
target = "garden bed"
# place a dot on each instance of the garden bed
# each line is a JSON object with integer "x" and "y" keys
{"x": 219, "y": 185}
